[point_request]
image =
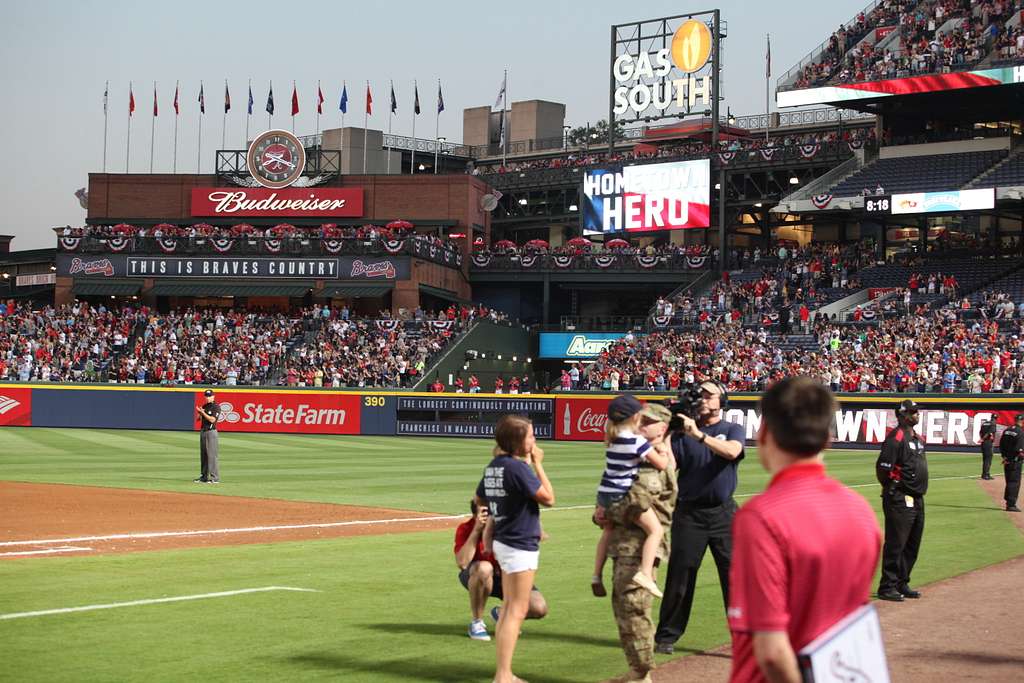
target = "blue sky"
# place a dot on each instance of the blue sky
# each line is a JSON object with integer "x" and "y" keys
{"x": 56, "y": 57}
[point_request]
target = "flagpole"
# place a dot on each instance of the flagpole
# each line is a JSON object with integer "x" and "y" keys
{"x": 412, "y": 164}
{"x": 391, "y": 112}
{"x": 504, "y": 123}
{"x": 294, "y": 91}
{"x": 366, "y": 121}
{"x": 152, "y": 130}
{"x": 128, "y": 145}
{"x": 318, "y": 106}
{"x": 269, "y": 115}
{"x": 106, "y": 93}
{"x": 199, "y": 150}
{"x": 174, "y": 168}
{"x": 224, "y": 118}
{"x": 341, "y": 145}
{"x": 437, "y": 122}
{"x": 248, "y": 115}
{"x": 767, "y": 88}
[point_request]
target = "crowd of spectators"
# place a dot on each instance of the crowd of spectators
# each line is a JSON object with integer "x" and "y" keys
{"x": 932, "y": 352}
{"x": 922, "y": 48}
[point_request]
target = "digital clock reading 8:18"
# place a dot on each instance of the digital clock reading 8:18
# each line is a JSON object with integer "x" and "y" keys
{"x": 880, "y": 205}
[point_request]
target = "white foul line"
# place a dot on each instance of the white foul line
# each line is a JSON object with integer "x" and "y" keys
{"x": 317, "y": 525}
{"x": 153, "y": 601}
{"x": 50, "y": 551}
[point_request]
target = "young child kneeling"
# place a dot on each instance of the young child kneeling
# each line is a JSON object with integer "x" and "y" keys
{"x": 628, "y": 451}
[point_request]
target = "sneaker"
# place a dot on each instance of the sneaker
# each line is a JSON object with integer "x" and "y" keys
{"x": 495, "y": 613}
{"x": 664, "y": 648}
{"x": 597, "y": 587}
{"x": 478, "y": 631}
{"x": 643, "y": 581}
{"x": 1012, "y": 508}
{"x": 199, "y": 480}
{"x": 213, "y": 481}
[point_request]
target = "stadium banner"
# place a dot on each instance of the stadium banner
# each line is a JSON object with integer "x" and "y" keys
{"x": 378, "y": 414}
{"x": 111, "y": 409}
{"x": 234, "y": 268}
{"x": 469, "y": 416}
{"x": 280, "y": 203}
{"x": 15, "y": 407}
{"x": 582, "y": 345}
{"x": 953, "y": 424}
{"x": 645, "y": 197}
{"x": 936, "y": 202}
{"x": 280, "y": 412}
{"x": 870, "y": 90}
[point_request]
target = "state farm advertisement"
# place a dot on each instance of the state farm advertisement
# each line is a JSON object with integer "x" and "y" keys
{"x": 581, "y": 419}
{"x": 299, "y": 413}
{"x": 15, "y": 407}
{"x": 312, "y": 201}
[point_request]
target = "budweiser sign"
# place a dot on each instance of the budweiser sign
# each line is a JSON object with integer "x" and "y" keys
{"x": 384, "y": 269}
{"x": 308, "y": 413}
{"x": 283, "y": 203}
{"x": 581, "y": 419}
{"x": 96, "y": 267}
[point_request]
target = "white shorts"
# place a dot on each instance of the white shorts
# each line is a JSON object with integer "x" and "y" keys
{"x": 513, "y": 560}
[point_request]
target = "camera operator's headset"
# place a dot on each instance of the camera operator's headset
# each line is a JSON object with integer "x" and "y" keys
{"x": 723, "y": 395}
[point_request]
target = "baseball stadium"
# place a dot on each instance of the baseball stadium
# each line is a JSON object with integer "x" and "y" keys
{"x": 259, "y": 402}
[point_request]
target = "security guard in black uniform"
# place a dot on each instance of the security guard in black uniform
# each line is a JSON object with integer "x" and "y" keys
{"x": 902, "y": 470}
{"x": 988, "y": 436}
{"x": 1011, "y": 446}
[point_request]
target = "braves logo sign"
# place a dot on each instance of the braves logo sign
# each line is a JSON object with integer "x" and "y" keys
{"x": 98, "y": 267}
{"x": 384, "y": 269}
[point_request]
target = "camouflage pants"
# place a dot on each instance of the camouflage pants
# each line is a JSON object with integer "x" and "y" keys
{"x": 631, "y": 605}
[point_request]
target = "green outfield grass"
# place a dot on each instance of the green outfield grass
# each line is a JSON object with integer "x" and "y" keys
{"x": 390, "y": 607}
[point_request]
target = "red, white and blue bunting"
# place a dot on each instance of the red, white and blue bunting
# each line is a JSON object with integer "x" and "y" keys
{"x": 647, "y": 261}
{"x": 767, "y": 153}
{"x": 118, "y": 243}
{"x": 661, "y": 320}
{"x": 868, "y": 314}
{"x": 605, "y": 260}
{"x": 726, "y": 157}
{"x": 442, "y": 324}
{"x": 393, "y": 246}
{"x": 332, "y": 246}
{"x": 70, "y": 243}
{"x": 774, "y": 317}
{"x": 808, "y": 151}
{"x": 273, "y": 245}
{"x": 855, "y": 144}
{"x": 433, "y": 251}
{"x": 530, "y": 260}
{"x": 388, "y": 325}
{"x": 562, "y": 261}
{"x": 481, "y": 260}
{"x": 696, "y": 261}
{"x": 167, "y": 244}
{"x": 821, "y": 200}
{"x": 222, "y": 244}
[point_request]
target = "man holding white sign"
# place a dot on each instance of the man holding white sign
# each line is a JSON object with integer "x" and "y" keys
{"x": 805, "y": 550}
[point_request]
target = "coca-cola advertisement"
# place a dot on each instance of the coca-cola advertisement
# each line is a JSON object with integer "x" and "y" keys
{"x": 305, "y": 412}
{"x": 581, "y": 419}
{"x": 283, "y": 203}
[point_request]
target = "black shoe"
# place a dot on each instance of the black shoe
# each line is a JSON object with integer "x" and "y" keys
{"x": 908, "y": 592}
{"x": 987, "y": 477}
{"x": 664, "y": 648}
{"x": 892, "y": 595}
{"x": 1012, "y": 508}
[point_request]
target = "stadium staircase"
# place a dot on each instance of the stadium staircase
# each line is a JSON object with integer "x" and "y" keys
{"x": 486, "y": 339}
{"x": 924, "y": 173}
{"x": 806, "y": 343}
{"x": 1007, "y": 173}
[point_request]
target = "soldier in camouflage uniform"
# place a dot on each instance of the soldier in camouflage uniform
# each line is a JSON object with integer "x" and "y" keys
{"x": 631, "y": 603}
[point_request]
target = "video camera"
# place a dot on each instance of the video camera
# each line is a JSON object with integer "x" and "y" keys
{"x": 689, "y": 403}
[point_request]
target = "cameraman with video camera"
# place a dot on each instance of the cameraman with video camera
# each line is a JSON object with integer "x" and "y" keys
{"x": 707, "y": 451}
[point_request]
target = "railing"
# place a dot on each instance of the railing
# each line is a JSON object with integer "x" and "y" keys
{"x": 602, "y": 262}
{"x": 318, "y": 162}
{"x": 251, "y": 245}
{"x": 601, "y": 323}
{"x": 816, "y": 52}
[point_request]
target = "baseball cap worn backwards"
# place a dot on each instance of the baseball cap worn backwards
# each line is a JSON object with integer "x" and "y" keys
{"x": 657, "y": 412}
{"x": 208, "y": 393}
{"x": 907, "y": 406}
{"x": 624, "y": 407}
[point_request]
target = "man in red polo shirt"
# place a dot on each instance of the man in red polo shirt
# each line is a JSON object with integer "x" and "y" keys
{"x": 805, "y": 550}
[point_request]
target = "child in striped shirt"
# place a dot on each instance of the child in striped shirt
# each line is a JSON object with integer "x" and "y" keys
{"x": 627, "y": 451}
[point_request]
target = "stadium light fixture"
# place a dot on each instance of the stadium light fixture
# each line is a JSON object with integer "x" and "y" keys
{"x": 515, "y": 359}
{"x": 793, "y": 180}
{"x": 7, "y": 275}
{"x": 573, "y": 207}
{"x": 730, "y": 117}
{"x": 718, "y": 186}
{"x": 53, "y": 268}
{"x": 757, "y": 204}
{"x": 421, "y": 167}
{"x": 499, "y": 356}
{"x": 522, "y": 202}
{"x": 529, "y": 360}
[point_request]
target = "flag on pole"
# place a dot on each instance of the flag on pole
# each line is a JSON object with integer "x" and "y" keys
{"x": 416, "y": 104}
{"x": 501, "y": 92}
{"x": 106, "y": 94}
{"x": 319, "y": 99}
{"x": 177, "y": 110}
{"x": 202, "y": 99}
{"x": 250, "y": 100}
{"x": 227, "y": 98}
{"x": 131, "y": 101}
{"x": 768, "y": 59}
{"x": 394, "y": 102}
{"x": 295, "y": 99}
{"x": 440, "y": 99}
{"x": 156, "y": 111}
{"x": 369, "y": 101}
{"x": 270, "y": 100}
{"x": 343, "y": 103}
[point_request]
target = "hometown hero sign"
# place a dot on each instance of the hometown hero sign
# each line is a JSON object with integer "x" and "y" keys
{"x": 642, "y": 79}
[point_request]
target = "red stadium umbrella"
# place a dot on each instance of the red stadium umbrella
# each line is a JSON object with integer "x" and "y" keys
{"x": 124, "y": 229}
{"x": 579, "y": 242}
{"x": 616, "y": 243}
{"x": 504, "y": 244}
{"x": 399, "y": 225}
{"x": 241, "y": 229}
{"x": 203, "y": 228}
{"x": 536, "y": 244}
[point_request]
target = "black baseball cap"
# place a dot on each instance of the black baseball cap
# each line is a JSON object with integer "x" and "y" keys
{"x": 1020, "y": 416}
{"x": 624, "y": 407}
{"x": 906, "y": 406}
{"x": 208, "y": 393}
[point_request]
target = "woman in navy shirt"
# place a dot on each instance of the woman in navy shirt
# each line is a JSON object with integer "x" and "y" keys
{"x": 513, "y": 490}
